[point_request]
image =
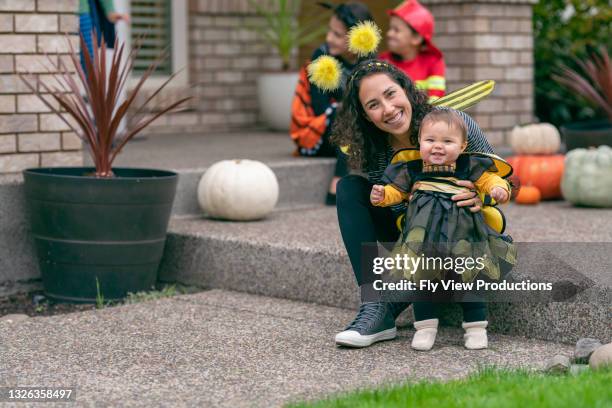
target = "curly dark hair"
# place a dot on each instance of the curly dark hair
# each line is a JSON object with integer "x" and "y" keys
{"x": 352, "y": 128}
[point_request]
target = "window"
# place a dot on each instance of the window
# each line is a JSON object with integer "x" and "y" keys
{"x": 164, "y": 23}
{"x": 152, "y": 28}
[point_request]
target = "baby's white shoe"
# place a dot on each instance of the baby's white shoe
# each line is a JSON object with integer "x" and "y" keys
{"x": 425, "y": 335}
{"x": 475, "y": 335}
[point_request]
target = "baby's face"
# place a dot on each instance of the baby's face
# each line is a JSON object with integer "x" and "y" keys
{"x": 440, "y": 143}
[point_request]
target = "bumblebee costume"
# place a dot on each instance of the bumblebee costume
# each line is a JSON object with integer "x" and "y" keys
{"x": 436, "y": 226}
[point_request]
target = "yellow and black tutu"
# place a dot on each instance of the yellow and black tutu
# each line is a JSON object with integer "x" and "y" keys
{"x": 442, "y": 234}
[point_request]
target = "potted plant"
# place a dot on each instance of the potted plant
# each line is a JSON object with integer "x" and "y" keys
{"x": 595, "y": 85}
{"x": 283, "y": 32}
{"x": 98, "y": 224}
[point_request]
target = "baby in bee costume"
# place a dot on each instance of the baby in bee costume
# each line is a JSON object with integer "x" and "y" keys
{"x": 437, "y": 227}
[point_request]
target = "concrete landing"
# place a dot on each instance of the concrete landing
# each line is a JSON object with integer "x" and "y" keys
{"x": 227, "y": 349}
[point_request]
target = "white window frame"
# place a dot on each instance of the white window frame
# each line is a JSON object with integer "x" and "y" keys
{"x": 178, "y": 48}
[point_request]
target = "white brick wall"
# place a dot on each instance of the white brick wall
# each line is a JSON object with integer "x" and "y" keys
{"x": 489, "y": 39}
{"x": 225, "y": 59}
{"x": 30, "y": 135}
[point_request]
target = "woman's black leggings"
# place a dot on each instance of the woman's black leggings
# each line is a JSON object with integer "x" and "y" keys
{"x": 361, "y": 222}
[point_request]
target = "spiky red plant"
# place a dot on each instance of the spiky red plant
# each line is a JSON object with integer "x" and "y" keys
{"x": 99, "y": 113}
{"x": 596, "y": 85}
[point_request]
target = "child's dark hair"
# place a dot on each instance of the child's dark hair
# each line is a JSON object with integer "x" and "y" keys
{"x": 353, "y": 13}
{"x": 350, "y": 13}
{"x": 352, "y": 127}
{"x": 448, "y": 116}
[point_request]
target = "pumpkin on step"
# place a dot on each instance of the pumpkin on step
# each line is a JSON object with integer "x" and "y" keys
{"x": 541, "y": 171}
{"x": 528, "y": 195}
{"x": 239, "y": 190}
{"x": 538, "y": 138}
{"x": 587, "y": 179}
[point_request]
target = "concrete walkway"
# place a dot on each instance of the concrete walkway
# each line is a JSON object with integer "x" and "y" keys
{"x": 220, "y": 348}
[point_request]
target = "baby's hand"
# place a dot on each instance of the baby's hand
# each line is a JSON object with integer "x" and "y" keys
{"x": 499, "y": 194}
{"x": 378, "y": 194}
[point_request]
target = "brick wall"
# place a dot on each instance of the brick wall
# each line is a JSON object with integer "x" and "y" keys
{"x": 225, "y": 59}
{"x": 30, "y": 135}
{"x": 489, "y": 39}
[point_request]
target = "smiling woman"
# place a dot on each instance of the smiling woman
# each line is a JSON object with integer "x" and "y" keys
{"x": 381, "y": 112}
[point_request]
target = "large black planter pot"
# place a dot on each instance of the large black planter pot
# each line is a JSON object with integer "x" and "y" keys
{"x": 587, "y": 134}
{"x": 88, "y": 228}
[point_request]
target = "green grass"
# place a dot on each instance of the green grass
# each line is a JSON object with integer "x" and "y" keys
{"x": 138, "y": 297}
{"x": 488, "y": 388}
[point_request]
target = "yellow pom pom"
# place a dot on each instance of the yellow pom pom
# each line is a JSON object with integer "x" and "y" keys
{"x": 325, "y": 72}
{"x": 364, "y": 38}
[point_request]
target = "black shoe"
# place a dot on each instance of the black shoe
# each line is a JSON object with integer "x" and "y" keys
{"x": 374, "y": 322}
{"x": 330, "y": 199}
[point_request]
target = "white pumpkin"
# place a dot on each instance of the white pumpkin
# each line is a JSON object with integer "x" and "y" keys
{"x": 587, "y": 178}
{"x": 239, "y": 190}
{"x": 537, "y": 138}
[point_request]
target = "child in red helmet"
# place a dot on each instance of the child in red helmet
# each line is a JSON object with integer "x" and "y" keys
{"x": 409, "y": 40}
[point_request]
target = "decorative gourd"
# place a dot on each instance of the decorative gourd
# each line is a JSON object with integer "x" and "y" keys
{"x": 538, "y": 138}
{"x": 528, "y": 195}
{"x": 239, "y": 190}
{"x": 587, "y": 179}
{"x": 541, "y": 171}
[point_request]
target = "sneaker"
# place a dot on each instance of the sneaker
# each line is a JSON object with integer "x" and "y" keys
{"x": 374, "y": 322}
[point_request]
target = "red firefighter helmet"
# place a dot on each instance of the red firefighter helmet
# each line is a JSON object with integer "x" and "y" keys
{"x": 420, "y": 19}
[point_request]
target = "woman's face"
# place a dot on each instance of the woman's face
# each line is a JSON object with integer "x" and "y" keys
{"x": 400, "y": 37}
{"x": 336, "y": 38}
{"x": 385, "y": 103}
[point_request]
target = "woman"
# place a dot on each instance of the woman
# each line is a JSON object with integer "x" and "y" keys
{"x": 381, "y": 112}
{"x": 313, "y": 110}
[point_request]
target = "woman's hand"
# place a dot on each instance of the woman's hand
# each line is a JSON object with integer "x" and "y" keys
{"x": 469, "y": 198}
{"x": 377, "y": 195}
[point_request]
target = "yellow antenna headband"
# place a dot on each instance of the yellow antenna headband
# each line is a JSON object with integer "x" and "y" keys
{"x": 326, "y": 71}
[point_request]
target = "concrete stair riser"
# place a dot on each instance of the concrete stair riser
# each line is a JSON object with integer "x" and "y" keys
{"x": 18, "y": 263}
{"x": 301, "y": 184}
{"x": 324, "y": 277}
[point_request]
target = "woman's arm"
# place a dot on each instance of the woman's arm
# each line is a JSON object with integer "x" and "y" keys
{"x": 477, "y": 142}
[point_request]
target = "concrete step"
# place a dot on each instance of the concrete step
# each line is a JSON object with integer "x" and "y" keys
{"x": 229, "y": 349}
{"x": 299, "y": 255}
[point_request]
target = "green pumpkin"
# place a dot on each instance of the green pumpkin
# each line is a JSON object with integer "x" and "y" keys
{"x": 587, "y": 178}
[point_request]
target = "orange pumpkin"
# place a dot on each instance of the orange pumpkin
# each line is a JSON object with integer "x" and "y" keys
{"x": 541, "y": 171}
{"x": 528, "y": 195}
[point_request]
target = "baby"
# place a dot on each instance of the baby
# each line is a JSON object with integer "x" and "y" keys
{"x": 433, "y": 220}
